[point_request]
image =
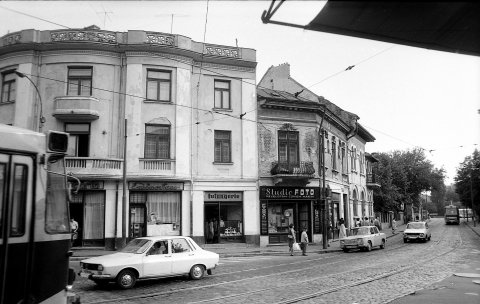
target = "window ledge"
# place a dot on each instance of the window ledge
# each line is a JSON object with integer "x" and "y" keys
{"x": 217, "y": 163}
{"x": 6, "y": 102}
{"x": 222, "y": 109}
{"x": 157, "y": 101}
{"x": 335, "y": 170}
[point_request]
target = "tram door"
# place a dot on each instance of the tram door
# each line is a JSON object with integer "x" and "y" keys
{"x": 16, "y": 188}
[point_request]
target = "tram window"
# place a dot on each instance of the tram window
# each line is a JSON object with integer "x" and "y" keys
{"x": 17, "y": 226}
{"x": 2, "y": 191}
{"x": 56, "y": 217}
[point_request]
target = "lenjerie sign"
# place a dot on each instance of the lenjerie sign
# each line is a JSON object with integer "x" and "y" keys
{"x": 289, "y": 193}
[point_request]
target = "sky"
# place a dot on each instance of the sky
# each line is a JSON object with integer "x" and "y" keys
{"x": 406, "y": 97}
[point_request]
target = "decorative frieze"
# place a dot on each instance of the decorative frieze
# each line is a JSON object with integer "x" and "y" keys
{"x": 221, "y": 51}
{"x": 158, "y": 38}
{"x": 12, "y": 39}
{"x": 81, "y": 35}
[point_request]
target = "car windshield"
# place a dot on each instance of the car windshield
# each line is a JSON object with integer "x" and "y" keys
{"x": 361, "y": 231}
{"x": 137, "y": 246}
{"x": 415, "y": 226}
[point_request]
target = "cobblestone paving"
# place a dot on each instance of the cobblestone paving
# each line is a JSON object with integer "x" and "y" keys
{"x": 384, "y": 275}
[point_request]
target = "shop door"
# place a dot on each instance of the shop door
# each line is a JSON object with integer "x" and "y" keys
{"x": 303, "y": 220}
{"x": 77, "y": 213}
{"x": 211, "y": 222}
{"x": 137, "y": 221}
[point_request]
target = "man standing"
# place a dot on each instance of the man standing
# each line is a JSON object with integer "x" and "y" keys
{"x": 304, "y": 241}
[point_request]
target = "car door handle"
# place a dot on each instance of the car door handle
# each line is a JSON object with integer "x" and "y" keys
{"x": 190, "y": 254}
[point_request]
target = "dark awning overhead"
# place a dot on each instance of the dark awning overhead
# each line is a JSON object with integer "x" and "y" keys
{"x": 443, "y": 26}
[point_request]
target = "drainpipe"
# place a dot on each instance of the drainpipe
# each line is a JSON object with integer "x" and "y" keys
{"x": 322, "y": 188}
{"x": 116, "y": 214}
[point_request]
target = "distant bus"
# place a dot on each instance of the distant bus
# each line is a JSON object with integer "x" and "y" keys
{"x": 465, "y": 213}
{"x": 452, "y": 215}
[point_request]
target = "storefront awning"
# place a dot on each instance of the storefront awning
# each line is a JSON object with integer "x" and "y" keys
{"x": 442, "y": 26}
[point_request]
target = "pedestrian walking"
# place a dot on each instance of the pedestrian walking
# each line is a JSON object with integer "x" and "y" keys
{"x": 366, "y": 222}
{"x": 394, "y": 226}
{"x": 376, "y": 222}
{"x": 304, "y": 241}
{"x": 291, "y": 238}
{"x": 74, "y": 230}
{"x": 343, "y": 231}
{"x": 330, "y": 233}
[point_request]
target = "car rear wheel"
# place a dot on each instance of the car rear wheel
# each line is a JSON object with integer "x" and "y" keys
{"x": 405, "y": 240}
{"x": 383, "y": 245}
{"x": 197, "y": 272}
{"x": 346, "y": 250}
{"x": 126, "y": 279}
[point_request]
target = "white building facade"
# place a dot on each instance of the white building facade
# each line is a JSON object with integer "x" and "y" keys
{"x": 186, "y": 111}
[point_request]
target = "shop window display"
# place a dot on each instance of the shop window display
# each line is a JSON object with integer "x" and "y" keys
{"x": 279, "y": 218}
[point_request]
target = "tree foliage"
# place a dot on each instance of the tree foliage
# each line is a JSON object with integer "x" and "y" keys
{"x": 467, "y": 181}
{"x": 403, "y": 176}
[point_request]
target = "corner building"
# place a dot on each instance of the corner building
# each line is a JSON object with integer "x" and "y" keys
{"x": 185, "y": 109}
{"x": 293, "y": 122}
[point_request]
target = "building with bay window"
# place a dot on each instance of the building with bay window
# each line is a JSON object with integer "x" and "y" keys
{"x": 182, "y": 109}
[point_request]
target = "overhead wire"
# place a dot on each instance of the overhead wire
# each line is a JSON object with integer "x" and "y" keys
{"x": 217, "y": 73}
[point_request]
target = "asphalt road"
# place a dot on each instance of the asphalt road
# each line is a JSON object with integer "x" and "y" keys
{"x": 380, "y": 276}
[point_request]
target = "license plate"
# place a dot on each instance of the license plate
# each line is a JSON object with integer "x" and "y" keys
{"x": 84, "y": 274}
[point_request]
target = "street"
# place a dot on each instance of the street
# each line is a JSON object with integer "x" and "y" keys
{"x": 379, "y": 276}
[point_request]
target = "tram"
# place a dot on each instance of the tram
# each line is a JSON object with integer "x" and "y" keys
{"x": 34, "y": 218}
{"x": 452, "y": 215}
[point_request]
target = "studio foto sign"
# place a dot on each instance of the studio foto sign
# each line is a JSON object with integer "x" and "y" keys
{"x": 289, "y": 193}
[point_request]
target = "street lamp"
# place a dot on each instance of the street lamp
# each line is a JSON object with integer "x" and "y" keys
{"x": 41, "y": 118}
{"x": 471, "y": 197}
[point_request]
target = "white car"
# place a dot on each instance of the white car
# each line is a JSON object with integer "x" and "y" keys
{"x": 150, "y": 258}
{"x": 364, "y": 238}
{"x": 417, "y": 231}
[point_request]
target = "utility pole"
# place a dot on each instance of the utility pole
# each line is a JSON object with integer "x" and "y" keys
{"x": 124, "y": 193}
{"x": 324, "y": 195}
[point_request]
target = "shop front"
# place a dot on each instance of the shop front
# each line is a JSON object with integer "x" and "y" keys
{"x": 282, "y": 206}
{"x": 87, "y": 208}
{"x": 223, "y": 217}
{"x": 155, "y": 208}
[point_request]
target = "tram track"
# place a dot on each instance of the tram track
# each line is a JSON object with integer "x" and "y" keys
{"x": 311, "y": 265}
{"x": 308, "y": 267}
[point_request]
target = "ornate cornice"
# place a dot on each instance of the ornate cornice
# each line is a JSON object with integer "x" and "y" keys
{"x": 84, "y": 35}
{"x": 12, "y": 39}
{"x": 222, "y": 51}
{"x": 161, "y": 39}
{"x": 224, "y": 67}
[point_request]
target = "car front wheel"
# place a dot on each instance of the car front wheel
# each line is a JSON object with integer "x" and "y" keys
{"x": 197, "y": 272}
{"x": 126, "y": 279}
{"x": 369, "y": 246}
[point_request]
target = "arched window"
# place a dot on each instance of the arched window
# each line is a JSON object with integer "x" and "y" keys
{"x": 355, "y": 203}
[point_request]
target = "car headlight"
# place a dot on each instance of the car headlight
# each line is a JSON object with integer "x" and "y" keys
{"x": 359, "y": 241}
{"x": 81, "y": 265}
{"x": 100, "y": 268}
{"x": 422, "y": 234}
{"x": 342, "y": 242}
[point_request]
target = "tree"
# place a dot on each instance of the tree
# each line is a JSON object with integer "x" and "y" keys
{"x": 403, "y": 176}
{"x": 467, "y": 182}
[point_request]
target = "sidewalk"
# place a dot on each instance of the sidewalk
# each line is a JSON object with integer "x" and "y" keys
{"x": 236, "y": 249}
{"x": 470, "y": 224}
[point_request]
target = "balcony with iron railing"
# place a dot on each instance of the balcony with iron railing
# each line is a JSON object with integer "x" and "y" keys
{"x": 287, "y": 168}
{"x": 372, "y": 180}
{"x": 93, "y": 166}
